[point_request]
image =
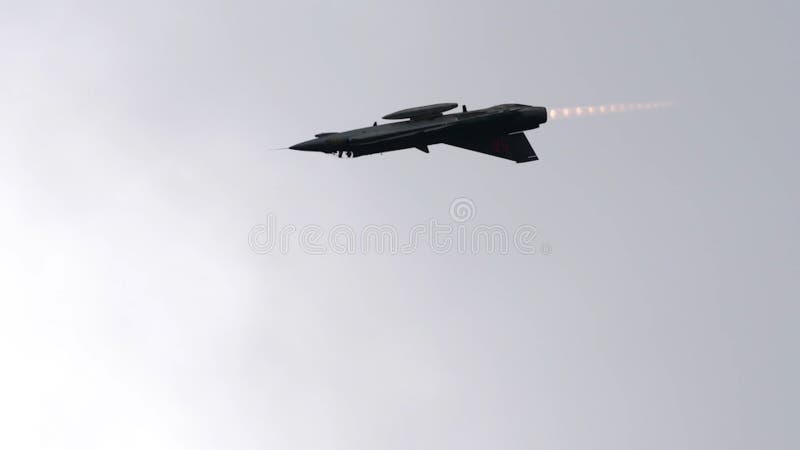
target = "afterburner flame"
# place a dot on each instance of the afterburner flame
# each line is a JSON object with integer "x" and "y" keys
{"x": 598, "y": 110}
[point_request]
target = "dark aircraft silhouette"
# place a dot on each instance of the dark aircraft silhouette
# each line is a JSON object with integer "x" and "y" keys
{"x": 496, "y": 131}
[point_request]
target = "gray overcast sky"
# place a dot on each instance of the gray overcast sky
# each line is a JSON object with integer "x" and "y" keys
{"x": 133, "y": 313}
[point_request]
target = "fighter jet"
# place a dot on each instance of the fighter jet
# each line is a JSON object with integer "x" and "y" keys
{"x": 496, "y": 131}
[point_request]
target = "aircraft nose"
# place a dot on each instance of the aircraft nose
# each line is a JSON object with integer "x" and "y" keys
{"x": 313, "y": 145}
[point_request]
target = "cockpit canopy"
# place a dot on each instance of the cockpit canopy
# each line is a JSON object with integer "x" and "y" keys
{"x": 421, "y": 112}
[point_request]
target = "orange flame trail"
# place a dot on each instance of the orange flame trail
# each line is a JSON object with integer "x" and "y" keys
{"x": 600, "y": 110}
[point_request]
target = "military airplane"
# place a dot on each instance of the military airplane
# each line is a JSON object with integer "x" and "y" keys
{"x": 496, "y": 131}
